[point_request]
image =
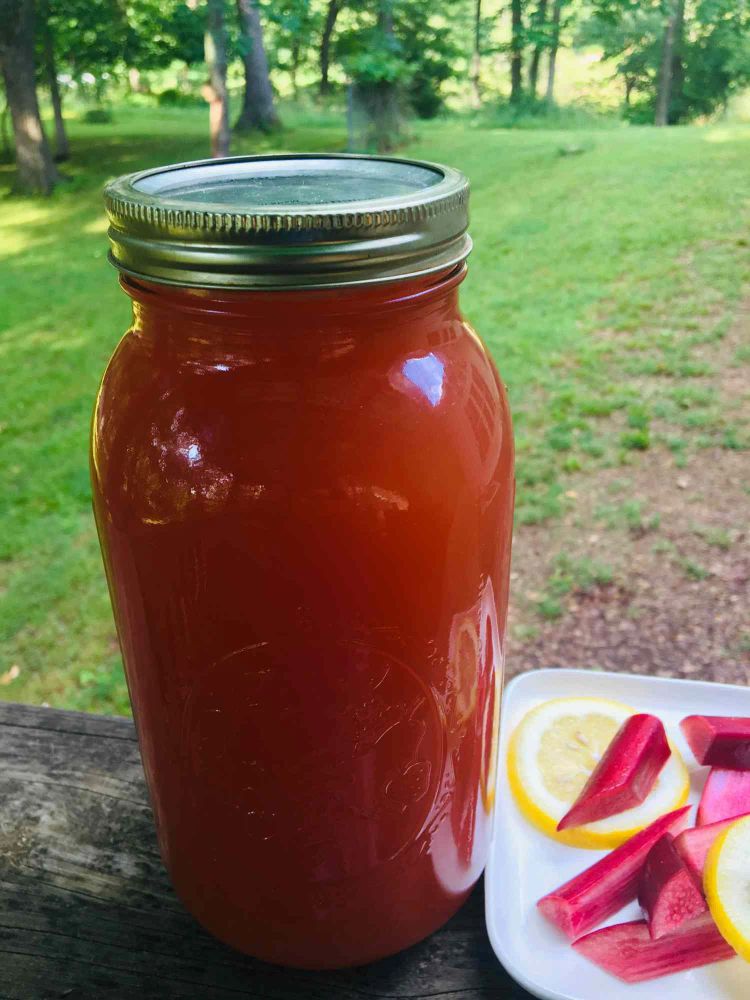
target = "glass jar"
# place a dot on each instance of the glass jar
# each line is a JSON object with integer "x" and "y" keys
{"x": 302, "y": 468}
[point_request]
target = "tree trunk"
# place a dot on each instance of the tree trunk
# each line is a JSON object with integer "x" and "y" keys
{"x": 7, "y": 150}
{"x": 674, "y": 111}
{"x": 215, "y": 91}
{"x": 62, "y": 149}
{"x": 294, "y": 67}
{"x": 516, "y": 51}
{"x": 258, "y": 109}
{"x": 332, "y": 13}
{"x": 555, "y": 45}
{"x": 476, "y": 57}
{"x": 666, "y": 70}
{"x": 383, "y": 100}
{"x": 36, "y": 171}
{"x": 540, "y": 18}
{"x": 629, "y": 84}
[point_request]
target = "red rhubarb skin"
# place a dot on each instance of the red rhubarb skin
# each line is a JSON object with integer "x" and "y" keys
{"x": 611, "y": 883}
{"x": 626, "y": 773}
{"x": 668, "y": 893}
{"x": 726, "y": 795}
{"x": 628, "y": 951}
{"x": 693, "y": 845}
{"x": 719, "y": 740}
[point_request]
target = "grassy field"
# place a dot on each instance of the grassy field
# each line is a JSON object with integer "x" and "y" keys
{"x": 602, "y": 258}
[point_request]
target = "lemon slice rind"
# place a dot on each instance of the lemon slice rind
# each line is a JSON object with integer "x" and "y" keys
{"x": 544, "y": 809}
{"x": 726, "y": 881}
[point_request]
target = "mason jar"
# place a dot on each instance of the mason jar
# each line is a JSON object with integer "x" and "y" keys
{"x": 302, "y": 467}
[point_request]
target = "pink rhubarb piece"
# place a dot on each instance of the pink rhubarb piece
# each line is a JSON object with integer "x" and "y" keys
{"x": 626, "y": 773}
{"x": 693, "y": 845}
{"x": 628, "y": 951}
{"x": 719, "y": 740}
{"x": 611, "y": 883}
{"x": 668, "y": 892}
{"x": 726, "y": 794}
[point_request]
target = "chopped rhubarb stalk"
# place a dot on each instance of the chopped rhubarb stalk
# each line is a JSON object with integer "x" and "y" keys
{"x": 608, "y": 885}
{"x": 726, "y": 795}
{"x": 693, "y": 845}
{"x": 668, "y": 892}
{"x": 628, "y": 951}
{"x": 719, "y": 740}
{"x": 626, "y": 773}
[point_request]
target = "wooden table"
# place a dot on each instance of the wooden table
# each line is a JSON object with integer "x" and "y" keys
{"x": 87, "y": 911}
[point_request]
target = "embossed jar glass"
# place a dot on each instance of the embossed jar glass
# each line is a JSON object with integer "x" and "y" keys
{"x": 302, "y": 466}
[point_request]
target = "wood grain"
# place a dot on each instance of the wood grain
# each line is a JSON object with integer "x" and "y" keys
{"x": 87, "y": 911}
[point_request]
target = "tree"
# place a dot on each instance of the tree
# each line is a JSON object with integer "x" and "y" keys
{"x": 215, "y": 90}
{"x": 629, "y": 37}
{"x": 108, "y": 36}
{"x": 295, "y": 24}
{"x": 333, "y": 10}
{"x": 539, "y": 38}
{"x": 372, "y": 55}
{"x": 516, "y": 51}
{"x": 476, "y": 56}
{"x": 670, "y": 53}
{"x": 157, "y": 32}
{"x": 62, "y": 148}
{"x": 258, "y": 108}
{"x": 429, "y": 51}
{"x": 554, "y": 46}
{"x": 383, "y": 99}
{"x": 677, "y": 60}
{"x": 36, "y": 171}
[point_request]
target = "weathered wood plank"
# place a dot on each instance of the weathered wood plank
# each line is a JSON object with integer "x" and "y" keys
{"x": 87, "y": 912}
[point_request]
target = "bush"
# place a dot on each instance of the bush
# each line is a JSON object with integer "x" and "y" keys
{"x": 537, "y": 114}
{"x": 174, "y": 98}
{"x": 97, "y": 116}
{"x": 425, "y": 97}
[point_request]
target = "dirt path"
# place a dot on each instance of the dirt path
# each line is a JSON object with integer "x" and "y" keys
{"x": 651, "y": 562}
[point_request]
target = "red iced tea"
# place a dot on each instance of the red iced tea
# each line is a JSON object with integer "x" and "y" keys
{"x": 304, "y": 500}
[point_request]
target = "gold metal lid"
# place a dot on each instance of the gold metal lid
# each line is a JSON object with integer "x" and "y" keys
{"x": 288, "y": 221}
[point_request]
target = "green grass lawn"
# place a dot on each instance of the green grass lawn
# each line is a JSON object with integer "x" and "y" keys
{"x": 601, "y": 258}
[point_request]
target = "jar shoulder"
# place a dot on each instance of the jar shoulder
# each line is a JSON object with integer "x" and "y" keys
{"x": 403, "y": 416}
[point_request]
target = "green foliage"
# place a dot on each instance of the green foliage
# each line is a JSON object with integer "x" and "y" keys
{"x": 97, "y": 116}
{"x": 162, "y": 30}
{"x": 425, "y": 49}
{"x": 716, "y": 58}
{"x": 639, "y": 416}
{"x": 694, "y": 570}
{"x": 557, "y": 286}
{"x": 370, "y": 53}
{"x": 429, "y": 49}
{"x": 712, "y": 54}
{"x": 577, "y": 574}
{"x": 628, "y": 515}
{"x": 418, "y": 53}
{"x": 629, "y": 35}
{"x": 568, "y": 575}
{"x": 171, "y": 97}
{"x": 104, "y": 36}
{"x": 538, "y": 115}
{"x": 294, "y": 26}
{"x": 639, "y": 440}
{"x": 718, "y": 538}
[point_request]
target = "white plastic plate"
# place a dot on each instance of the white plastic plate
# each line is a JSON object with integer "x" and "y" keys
{"x": 524, "y": 864}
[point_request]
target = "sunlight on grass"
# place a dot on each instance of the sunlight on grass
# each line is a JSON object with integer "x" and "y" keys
{"x": 96, "y": 226}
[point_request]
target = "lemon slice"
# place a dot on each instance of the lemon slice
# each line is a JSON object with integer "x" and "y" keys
{"x": 553, "y": 751}
{"x": 726, "y": 879}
